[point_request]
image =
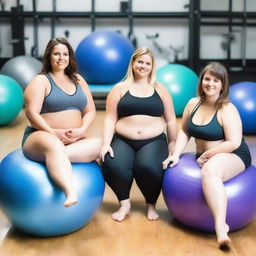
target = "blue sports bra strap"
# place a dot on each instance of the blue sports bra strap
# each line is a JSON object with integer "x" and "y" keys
{"x": 49, "y": 78}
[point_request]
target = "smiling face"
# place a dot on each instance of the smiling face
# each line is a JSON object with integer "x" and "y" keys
{"x": 142, "y": 66}
{"x": 211, "y": 84}
{"x": 59, "y": 57}
{"x": 213, "y": 80}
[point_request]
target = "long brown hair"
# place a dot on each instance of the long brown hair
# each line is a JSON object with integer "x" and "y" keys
{"x": 71, "y": 69}
{"x": 218, "y": 70}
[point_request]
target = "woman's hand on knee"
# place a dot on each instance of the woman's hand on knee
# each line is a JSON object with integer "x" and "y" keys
{"x": 105, "y": 150}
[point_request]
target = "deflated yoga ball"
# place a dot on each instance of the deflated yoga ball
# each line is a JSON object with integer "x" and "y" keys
{"x": 183, "y": 195}
{"x": 11, "y": 99}
{"x": 22, "y": 69}
{"x": 181, "y": 82}
{"x": 243, "y": 96}
{"x": 34, "y": 203}
{"x": 103, "y": 57}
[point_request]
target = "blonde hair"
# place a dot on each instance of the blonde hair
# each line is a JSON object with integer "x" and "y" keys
{"x": 129, "y": 78}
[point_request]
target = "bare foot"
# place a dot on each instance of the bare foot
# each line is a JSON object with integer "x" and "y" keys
{"x": 123, "y": 211}
{"x": 71, "y": 199}
{"x": 222, "y": 236}
{"x": 152, "y": 214}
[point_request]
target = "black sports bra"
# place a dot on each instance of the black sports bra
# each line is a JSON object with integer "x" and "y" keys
{"x": 212, "y": 131}
{"x": 132, "y": 105}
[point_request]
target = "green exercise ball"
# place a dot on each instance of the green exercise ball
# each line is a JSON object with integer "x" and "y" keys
{"x": 181, "y": 82}
{"x": 11, "y": 99}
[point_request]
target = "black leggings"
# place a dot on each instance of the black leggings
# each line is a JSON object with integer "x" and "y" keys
{"x": 139, "y": 159}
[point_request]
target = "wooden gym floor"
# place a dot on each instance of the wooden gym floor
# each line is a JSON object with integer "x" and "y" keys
{"x": 136, "y": 236}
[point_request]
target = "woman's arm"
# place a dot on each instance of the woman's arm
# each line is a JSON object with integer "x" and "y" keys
{"x": 170, "y": 118}
{"x": 182, "y": 138}
{"x": 88, "y": 114}
{"x": 110, "y": 121}
{"x": 34, "y": 97}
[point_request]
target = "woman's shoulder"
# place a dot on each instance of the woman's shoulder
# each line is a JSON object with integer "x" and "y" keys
{"x": 39, "y": 83}
{"x": 79, "y": 77}
{"x": 160, "y": 88}
{"x": 117, "y": 91}
{"x": 228, "y": 107}
{"x": 39, "y": 79}
{"x": 193, "y": 102}
{"x": 119, "y": 88}
{"x": 191, "y": 105}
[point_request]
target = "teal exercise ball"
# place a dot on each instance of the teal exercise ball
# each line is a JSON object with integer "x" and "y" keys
{"x": 181, "y": 82}
{"x": 11, "y": 99}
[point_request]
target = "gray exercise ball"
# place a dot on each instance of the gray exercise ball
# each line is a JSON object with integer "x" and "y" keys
{"x": 22, "y": 69}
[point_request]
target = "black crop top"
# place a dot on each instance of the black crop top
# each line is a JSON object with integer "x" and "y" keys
{"x": 130, "y": 105}
{"x": 212, "y": 131}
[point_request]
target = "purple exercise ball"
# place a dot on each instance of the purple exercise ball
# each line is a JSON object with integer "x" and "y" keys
{"x": 183, "y": 195}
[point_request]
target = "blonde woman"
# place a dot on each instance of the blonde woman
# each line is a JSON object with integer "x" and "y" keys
{"x": 138, "y": 112}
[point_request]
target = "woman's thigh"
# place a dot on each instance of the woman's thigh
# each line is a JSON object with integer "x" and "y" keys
{"x": 84, "y": 150}
{"x": 151, "y": 156}
{"x": 40, "y": 142}
{"x": 224, "y": 165}
{"x": 123, "y": 155}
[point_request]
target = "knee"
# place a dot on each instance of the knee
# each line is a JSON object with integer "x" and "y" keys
{"x": 148, "y": 170}
{"x": 44, "y": 143}
{"x": 54, "y": 146}
{"x": 98, "y": 142}
{"x": 97, "y": 145}
{"x": 209, "y": 172}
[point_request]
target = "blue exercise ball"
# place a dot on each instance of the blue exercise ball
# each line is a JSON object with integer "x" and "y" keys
{"x": 181, "y": 82}
{"x": 101, "y": 88}
{"x": 35, "y": 204}
{"x": 22, "y": 69}
{"x": 11, "y": 99}
{"x": 243, "y": 96}
{"x": 103, "y": 57}
{"x": 183, "y": 195}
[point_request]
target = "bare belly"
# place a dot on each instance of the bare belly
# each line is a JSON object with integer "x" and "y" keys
{"x": 139, "y": 127}
{"x": 64, "y": 119}
{"x": 202, "y": 145}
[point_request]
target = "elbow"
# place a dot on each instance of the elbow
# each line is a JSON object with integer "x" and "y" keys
{"x": 235, "y": 144}
{"x": 29, "y": 113}
{"x": 90, "y": 114}
{"x": 93, "y": 114}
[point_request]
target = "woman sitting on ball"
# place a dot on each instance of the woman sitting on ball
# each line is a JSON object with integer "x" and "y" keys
{"x": 134, "y": 142}
{"x": 222, "y": 153}
{"x": 60, "y": 109}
